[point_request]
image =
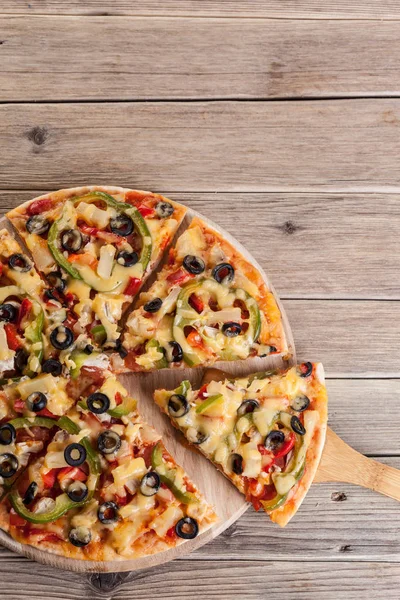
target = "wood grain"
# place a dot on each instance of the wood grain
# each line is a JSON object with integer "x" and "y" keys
{"x": 282, "y": 231}
{"x": 350, "y": 145}
{"x": 142, "y": 58}
{"x": 276, "y": 9}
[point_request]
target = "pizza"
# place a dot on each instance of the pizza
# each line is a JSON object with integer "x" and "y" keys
{"x": 90, "y": 479}
{"x": 208, "y": 304}
{"x": 94, "y": 246}
{"x": 265, "y": 432}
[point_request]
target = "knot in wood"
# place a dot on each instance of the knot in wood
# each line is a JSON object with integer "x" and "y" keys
{"x": 37, "y": 135}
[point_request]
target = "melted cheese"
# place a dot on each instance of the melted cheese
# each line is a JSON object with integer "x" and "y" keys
{"x": 166, "y": 520}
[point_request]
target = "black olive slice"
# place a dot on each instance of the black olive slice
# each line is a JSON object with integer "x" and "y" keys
{"x": 300, "y": 403}
{"x": 297, "y": 425}
{"x": 248, "y": 406}
{"x": 38, "y": 224}
{"x": 187, "y": 528}
{"x": 305, "y": 369}
{"x": 20, "y": 263}
{"x": 108, "y": 442}
{"x": 164, "y": 210}
{"x": 30, "y": 493}
{"x": 150, "y": 484}
{"x": 153, "y": 306}
{"x": 237, "y": 463}
{"x": 53, "y": 366}
{"x": 224, "y": 272}
{"x": 71, "y": 240}
{"x": 80, "y": 536}
{"x": 56, "y": 281}
{"x": 178, "y": 406}
{"x": 77, "y": 491}
{"x": 36, "y": 401}
{"x": 61, "y": 337}
{"x": 127, "y": 259}
{"x": 231, "y": 329}
{"x": 8, "y": 465}
{"x": 49, "y": 295}
{"x": 88, "y": 349}
{"x": 121, "y": 225}
{"x": 8, "y": 312}
{"x": 98, "y": 403}
{"x": 274, "y": 439}
{"x": 199, "y": 439}
{"x": 7, "y": 434}
{"x": 75, "y": 455}
{"x": 194, "y": 264}
{"x": 108, "y": 513}
{"x": 20, "y": 359}
{"x": 174, "y": 352}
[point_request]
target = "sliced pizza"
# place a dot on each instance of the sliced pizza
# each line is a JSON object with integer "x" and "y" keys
{"x": 103, "y": 488}
{"x": 94, "y": 246}
{"x": 208, "y": 304}
{"x": 265, "y": 432}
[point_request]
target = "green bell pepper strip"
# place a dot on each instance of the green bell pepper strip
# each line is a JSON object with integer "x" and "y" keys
{"x": 63, "y": 503}
{"x": 210, "y": 401}
{"x": 184, "y": 387}
{"x": 167, "y": 476}
{"x": 120, "y": 207}
{"x": 162, "y": 363}
{"x": 79, "y": 359}
{"x": 34, "y": 334}
{"x": 192, "y": 356}
{"x": 99, "y": 334}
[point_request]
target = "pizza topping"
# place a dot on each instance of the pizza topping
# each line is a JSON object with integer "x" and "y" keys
{"x": 248, "y": 406}
{"x": 98, "y": 403}
{"x": 77, "y": 491}
{"x": 122, "y": 225}
{"x": 61, "y": 337}
{"x": 231, "y": 329}
{"x": 8, "y": 312}
{"x": 237, "y": 463}
{"x": 127, "y": 259}
{"x": 194, "y": 264}
{"x": 108, "y": 442}
{"x": 71, "y": 240}
{"x": 187, "y": 528}
{"x": 274, "y": 440}
{"x": 20, "y": 263}
{"x": 108, "y": 513}
{"x": 300, "y": 403}
{"x": 153, "y": 306}
{"x": 8, "y": 465}
{"x": 36, "y": 401}
{"x": 52, "y": 366}
{"x": 305, "y": 369}
{"x": 38, "y": 224}
{"x": 178, "y": 406}
{"x": 164, "y": 210}
{"x": 75, "y": 455}
{"x": 7, "y": 434}
{"x": 30, "y": 493}
{"x": 223, "y": 273}
{"x": 150, "y": 484}
{"x": 80, "y": 536}
{"x": 174, "y": 352}
{"x": 297, "y": 425}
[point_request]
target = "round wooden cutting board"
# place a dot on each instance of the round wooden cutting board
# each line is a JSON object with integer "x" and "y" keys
{"x": 227, "y": 501}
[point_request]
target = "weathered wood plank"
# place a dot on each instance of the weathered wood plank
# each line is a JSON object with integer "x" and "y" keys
{"x": 249, "y": 579}
{"x": 57, "y": 58}
{"x": 348, "y": 145}
{"x": 283, "y": 231}
{"x": 276, "y": 9}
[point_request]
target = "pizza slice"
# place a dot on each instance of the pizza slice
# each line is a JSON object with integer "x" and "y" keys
{"x": 207, "y": 304}
{"x": 94, "y": 246}
{"x": 105, "y": 487}
{"x": 265, "y": 432}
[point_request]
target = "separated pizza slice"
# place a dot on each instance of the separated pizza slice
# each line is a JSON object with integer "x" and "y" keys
{"x": 105, "y": 488}
{"x": 208, "y": 304}
{"x": 94, "y": 246}
{"x": 265, "y": 432}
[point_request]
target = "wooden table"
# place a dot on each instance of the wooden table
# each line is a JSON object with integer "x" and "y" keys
{"x": 280, "y": 120}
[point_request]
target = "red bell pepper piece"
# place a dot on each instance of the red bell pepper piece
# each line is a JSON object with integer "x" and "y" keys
{"x": 118, "y": 399}
{"x": 171, "y": 534}
{"x": 202, "y": 391}
{"x": 40, "y": 206}
{"x": 196, "y": 303}
{"x": 286, "y": 446}
{"x": 133, "y": 286}
{"x": 46, "y": 413}
{"x": 74, "y": 473}
{"x": 180, "y": 276}
{"x": 24, "y": 310}
{"x": 49, "y": 478}
{"x": 13, "y": 341}
{"x": 19, "y": 405}
{"x": 145, "y": 211}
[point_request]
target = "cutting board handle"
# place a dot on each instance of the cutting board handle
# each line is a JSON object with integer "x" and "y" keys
{"x": 341, "y": 463}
